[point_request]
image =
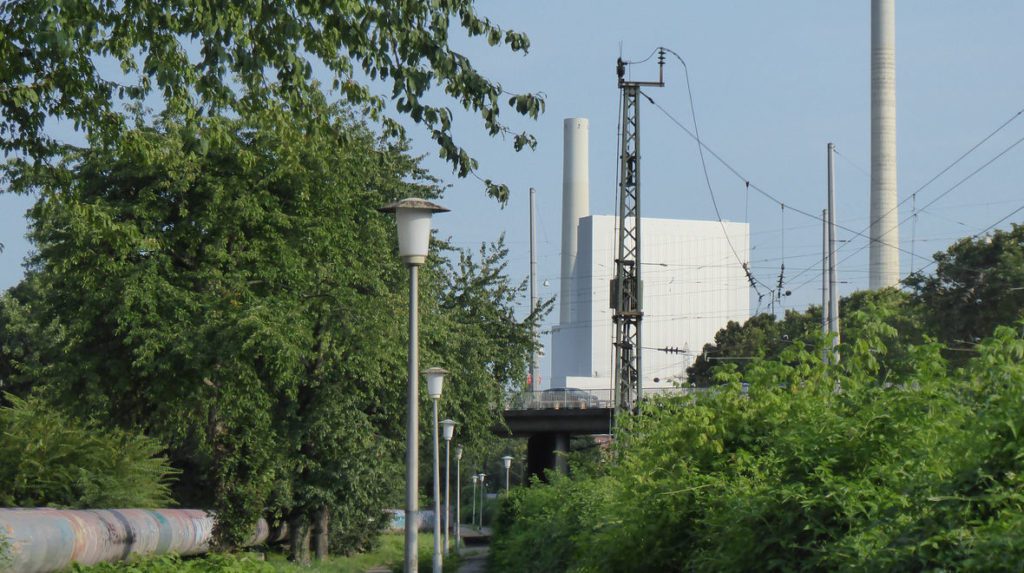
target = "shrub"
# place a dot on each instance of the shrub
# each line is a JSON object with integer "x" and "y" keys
{"x": 916, "y": 469}
{"x": 50, "y": 459}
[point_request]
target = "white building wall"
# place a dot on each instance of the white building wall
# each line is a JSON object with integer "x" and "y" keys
{"x": 693, "y": 286}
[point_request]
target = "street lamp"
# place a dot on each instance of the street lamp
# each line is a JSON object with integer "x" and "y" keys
{"x": 458, "y": 496}
{"x": 472, "y": 516}
{"x": 508, "y": 464}
{"x": 435, "y": 382}
{"x": 449, "y": 430}
{"x": 413, "y": 217}
{"x": 483, "y": 496}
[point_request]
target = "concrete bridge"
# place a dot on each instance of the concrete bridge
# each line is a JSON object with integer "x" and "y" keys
{"x": 549, "y": 418}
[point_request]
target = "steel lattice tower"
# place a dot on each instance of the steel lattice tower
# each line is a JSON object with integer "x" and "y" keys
{"x": 627, "y": 288}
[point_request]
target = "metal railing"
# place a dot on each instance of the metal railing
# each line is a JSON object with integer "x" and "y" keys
{"x": 577, "y": 399}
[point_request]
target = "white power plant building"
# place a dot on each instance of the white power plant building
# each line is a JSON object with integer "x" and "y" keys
{"x": 693, "y": 286}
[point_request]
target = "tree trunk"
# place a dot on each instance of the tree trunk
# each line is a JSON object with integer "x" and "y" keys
{"x": 298, "y": 538}
{"x": 321, "y": 520}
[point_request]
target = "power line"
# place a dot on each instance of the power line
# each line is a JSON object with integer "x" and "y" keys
{"x": 707, "y": 178}
{"x": 913, "y": 196}
{"x": 978, "y": 234}
{"x": 940, "y": 196}
{"x": 755, "y": 187}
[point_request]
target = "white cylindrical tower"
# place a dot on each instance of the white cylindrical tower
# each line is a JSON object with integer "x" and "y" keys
{"x": 575, "y": 205}
{"x": 884, "y": 264}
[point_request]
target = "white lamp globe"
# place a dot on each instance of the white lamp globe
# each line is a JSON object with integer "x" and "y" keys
{"x": 476, "y": 478}
{"x": 435, "y": 381}
{"x": 507, "y": 460}
{"x": 413, "y": 217}
{"x": 458, "y": 452}
{"x": 448, "y": 427}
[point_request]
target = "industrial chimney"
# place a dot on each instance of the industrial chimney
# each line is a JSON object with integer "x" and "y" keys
{"x": 884, "y": 262}
{"x": 575, "y": 205}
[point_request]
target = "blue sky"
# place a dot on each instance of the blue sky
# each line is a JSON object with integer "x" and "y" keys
{"x": 773, "y": 83}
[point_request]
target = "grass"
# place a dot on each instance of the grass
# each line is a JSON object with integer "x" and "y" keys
{"x": 390, "y": 553}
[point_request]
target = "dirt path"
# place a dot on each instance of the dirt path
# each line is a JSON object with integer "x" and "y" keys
{"x": 474, "y": 560}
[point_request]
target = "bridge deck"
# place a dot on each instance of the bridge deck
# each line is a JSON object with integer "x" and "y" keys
{"x": 575, "y": 421}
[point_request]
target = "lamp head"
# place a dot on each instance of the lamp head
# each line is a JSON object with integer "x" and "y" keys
{"x": 448, "y": 426}
{"x": 435, "y": 381}
{"x": 458, "y": 452}
{"x": 507, "y": 460}
{"x": 413, "y": 216}
{"x": 476, "y": 478}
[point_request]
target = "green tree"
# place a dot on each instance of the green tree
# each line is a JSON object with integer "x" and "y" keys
{"x": 761, "y": 336}
{"x": 232, "y": 296}
{"x": 469, "y": 326}
{"x": 239, "y": 297}
{"x": 764, "y": 337}
{"x": 78, "y": 60}
{"x": 976, "y": 286}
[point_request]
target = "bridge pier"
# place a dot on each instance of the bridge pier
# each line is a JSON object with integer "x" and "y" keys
{"x": 546, "y": 451}
{"x": 548, "y": 432}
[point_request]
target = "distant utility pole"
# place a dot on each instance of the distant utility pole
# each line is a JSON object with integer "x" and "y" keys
{"x": 533, "y": 288}
{"x": 833, "y": 281}
{"x": 825, "y": 300}
{"x": 626, "y": 288}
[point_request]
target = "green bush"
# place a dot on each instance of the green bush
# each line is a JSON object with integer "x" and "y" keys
{"x": 917, "y": 469}
{"x": 50, "y": 459}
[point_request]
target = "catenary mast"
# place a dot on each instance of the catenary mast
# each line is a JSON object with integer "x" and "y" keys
{"x": 627, "y": 288}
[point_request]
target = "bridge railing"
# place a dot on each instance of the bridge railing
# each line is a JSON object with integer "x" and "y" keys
{"x": 577, "y": 399}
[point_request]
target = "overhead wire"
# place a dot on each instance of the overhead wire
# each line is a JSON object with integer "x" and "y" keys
{"x": 857, "y": 233}
{"x": 634, "y": 62}
{"x": 704, "y": 167}
{"x": 702, "y": 147}
{"x": 943, "y": 171}
{"x": 754, "y": 186}
{"x": 955, "y": 186}
{"x": 978, "y": 235}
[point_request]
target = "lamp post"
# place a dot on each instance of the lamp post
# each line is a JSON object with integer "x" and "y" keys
{"x": 449, "y": 430}
{"x": 483, "y": 496}
{"x": 435, "y": 382}
{"x": 458, "y": 497}
{"x": 472, "y": 516}
{"x": 508, "y": 465}
{"x": 413, "y": 217}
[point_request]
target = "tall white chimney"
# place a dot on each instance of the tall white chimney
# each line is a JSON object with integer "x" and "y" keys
{"x": 575, "y": 205}
{"x": 884, "y": 262}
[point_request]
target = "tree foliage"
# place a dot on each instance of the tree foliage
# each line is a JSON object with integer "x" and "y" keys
{"x": 48, "y": 459}
{"x": 210, "y": 292}
{"x": 78, "y": 60}
{"x": 236, "y": 294}
{"x": 763, "y": 336}
{"x": 977, "y": 285}
{"x": 917, "y": 469}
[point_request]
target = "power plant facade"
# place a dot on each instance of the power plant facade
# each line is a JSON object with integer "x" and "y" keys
{"x": 692, "y": 285}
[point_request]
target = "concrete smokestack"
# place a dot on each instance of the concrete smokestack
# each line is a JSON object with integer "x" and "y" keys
{"x": 575, "y": 204}
{"x": 884, "y": 262}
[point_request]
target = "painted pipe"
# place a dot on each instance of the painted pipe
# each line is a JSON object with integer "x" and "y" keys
{"x": 44, "y": 540}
